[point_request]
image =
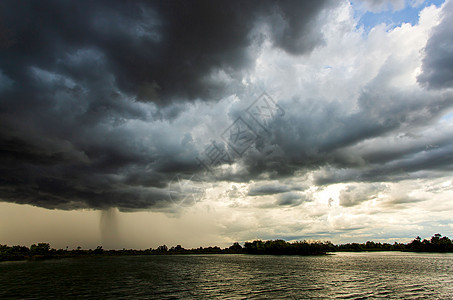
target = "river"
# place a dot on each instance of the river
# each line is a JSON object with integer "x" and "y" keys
{"x": 374, "y": 275}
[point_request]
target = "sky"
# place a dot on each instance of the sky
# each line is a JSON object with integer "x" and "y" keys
{"x": 132, "y": 124}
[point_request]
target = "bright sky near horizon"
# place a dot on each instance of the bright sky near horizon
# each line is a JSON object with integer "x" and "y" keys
{"x": 137, "y": 124}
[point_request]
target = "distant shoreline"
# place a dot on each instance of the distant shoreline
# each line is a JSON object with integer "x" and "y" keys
{"x": 42, "y": 251}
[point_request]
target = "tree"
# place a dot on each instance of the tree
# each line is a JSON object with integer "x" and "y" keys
{"x": 162, "y": 248}
{"x": 235, "y": 247}
{"x": 435, "y": 239}
{"x": 40, "y": 249}
{"x": 98, "y": 250}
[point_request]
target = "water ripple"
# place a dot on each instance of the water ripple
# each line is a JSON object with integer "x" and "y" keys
{"x": 341, "y": 276}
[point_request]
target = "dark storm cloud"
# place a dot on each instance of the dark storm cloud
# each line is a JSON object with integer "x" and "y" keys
{"x": 421, "y": 165}
{"x": 80, "y": 82}
{"x": 156, "y": 50}
{"x": 95, "y": 97}
{"x": 437, "y": 69}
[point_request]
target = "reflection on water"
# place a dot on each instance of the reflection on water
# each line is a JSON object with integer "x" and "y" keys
{"x": 342, "y": 276}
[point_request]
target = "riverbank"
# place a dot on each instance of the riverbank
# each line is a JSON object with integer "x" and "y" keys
{"x": 42, "y": 251}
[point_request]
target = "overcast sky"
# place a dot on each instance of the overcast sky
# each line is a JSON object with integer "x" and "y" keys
{"x": 138, "y": 123}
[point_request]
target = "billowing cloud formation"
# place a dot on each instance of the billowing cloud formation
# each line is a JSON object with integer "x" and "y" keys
{"x": 74, "y": 130}
{"x": 438, "y": 61}
{"x": 103, "y": 104}
{"x": 153, "y": 50}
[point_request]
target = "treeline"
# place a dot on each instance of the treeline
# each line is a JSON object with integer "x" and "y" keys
{"x": 281, "y": 247}
{"x": 43, "y": 251}
{"x": 437, "y": 243}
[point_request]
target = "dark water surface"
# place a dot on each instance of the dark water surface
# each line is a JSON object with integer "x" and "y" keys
{"x": 341, "y": 276}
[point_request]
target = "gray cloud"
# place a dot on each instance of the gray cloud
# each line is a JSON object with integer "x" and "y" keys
{"x": 290, "y": 199}
{"x": 356, "y": 194}
{"x": 419, "y": 162}
{"x": 317, "y": 133}
{"x": 400, "y": 201}
{"x": 437, "y": 69}
{"x": 382, "y": 5}
{"x": 268, "y": 189}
